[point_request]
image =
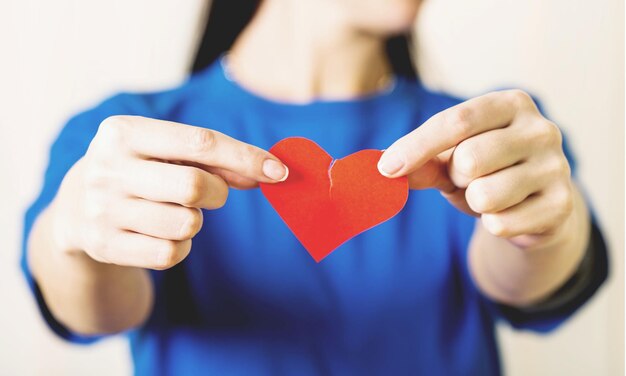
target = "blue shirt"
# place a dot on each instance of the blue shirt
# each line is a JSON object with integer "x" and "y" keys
{"x": 249, "y": 300}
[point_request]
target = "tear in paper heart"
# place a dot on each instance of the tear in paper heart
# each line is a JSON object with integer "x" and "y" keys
{"x": 326, "y": 202}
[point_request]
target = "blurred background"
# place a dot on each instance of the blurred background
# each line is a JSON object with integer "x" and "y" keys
{"x": 59, "y": 57}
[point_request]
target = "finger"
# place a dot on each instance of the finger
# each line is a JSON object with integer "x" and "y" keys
{"x": 234, "y": 180}
{"x": 156, "y": 219}
{"x": 505, "y": 188}
{"x": 137, "y": 250}
{"x": 448, "y": 128}
{"x": 487, "y": 153}
{"x": 167, "y": 140}
{"x": 184, "y": 185}
{"x": 537, "y": 215}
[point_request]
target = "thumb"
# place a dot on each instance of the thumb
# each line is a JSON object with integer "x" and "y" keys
{"x": 434, "y": 174}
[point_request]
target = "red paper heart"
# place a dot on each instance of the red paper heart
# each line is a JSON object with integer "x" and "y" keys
{"x": 326, "y": 202}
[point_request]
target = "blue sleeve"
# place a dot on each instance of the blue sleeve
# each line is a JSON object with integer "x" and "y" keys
{"x": 71, "y": 144}
{"x": 547, "y": 316}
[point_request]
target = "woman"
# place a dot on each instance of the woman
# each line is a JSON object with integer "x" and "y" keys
{"x": 134, "y": 180}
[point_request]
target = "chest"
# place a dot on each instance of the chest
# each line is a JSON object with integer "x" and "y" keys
{"x": 247, "y": 253}
{"x": 245, "y": 259}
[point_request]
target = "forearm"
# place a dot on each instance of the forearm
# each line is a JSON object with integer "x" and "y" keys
{"x": 87, "y": 296}
{"x": 520, "y": 277}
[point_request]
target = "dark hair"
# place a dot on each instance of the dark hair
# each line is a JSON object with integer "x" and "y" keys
{"x": 227, "y": 18}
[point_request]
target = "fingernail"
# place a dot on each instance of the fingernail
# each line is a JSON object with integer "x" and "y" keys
{"x": 390, "y": 164}
{"x": 275, "y": 170}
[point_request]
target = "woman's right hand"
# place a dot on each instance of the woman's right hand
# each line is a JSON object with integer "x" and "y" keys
{"x": 134, "y": 199}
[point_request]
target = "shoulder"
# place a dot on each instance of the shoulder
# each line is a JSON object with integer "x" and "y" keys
{"x": 163, "y": 104}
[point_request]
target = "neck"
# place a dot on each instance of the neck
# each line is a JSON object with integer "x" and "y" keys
{"x": 299, "y": 51}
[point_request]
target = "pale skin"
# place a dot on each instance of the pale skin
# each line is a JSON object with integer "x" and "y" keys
{"x": 132, "y": 202}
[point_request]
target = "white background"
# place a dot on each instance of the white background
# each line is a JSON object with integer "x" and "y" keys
{"x": 58, "y": 57}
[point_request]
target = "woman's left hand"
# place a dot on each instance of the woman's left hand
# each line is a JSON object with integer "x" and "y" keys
{"x": 494, "y": 156}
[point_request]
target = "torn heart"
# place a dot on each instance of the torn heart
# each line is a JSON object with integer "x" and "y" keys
{"x": 326, "y": 202}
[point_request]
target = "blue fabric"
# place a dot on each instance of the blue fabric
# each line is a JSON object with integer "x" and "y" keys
{"x": 249, "y": 300}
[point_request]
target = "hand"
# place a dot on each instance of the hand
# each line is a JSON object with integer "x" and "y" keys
{"x": 493, "y": 156}
{"x": 134, "y": 199}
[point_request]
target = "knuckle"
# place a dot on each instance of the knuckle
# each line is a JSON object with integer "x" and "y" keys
{"x": 251, "y": 157}
{"x": 193, "y": 187}
{"x": 220, "y": 197}
{"x": 555, "y": 168}
{"x": 253, "y": 152}
{"x": 560, "y": 167}
{"x": 495, "y": 225}
{"x": 191, "y": 224}
{"x": 114, "y": 127}
{"x": 565, "y": 167}
{"x": 217, "y": 193}
{"x": 549, "y": 134}
{"x": 466, "y": 160}
{"x": 564, "y": 201}
{"x": 201, "y": 140}
{"x": 166, "y": 255}
{"x": 479, "y": 198}
{"x": 460, "y": 121}
{"x": 520, "y": 98}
